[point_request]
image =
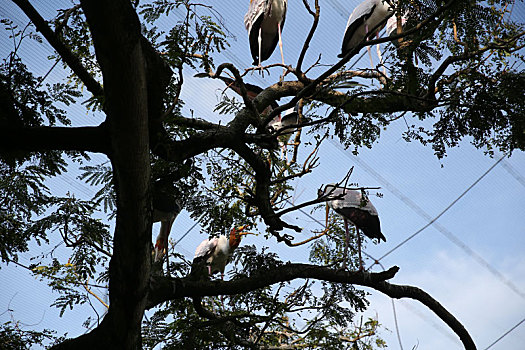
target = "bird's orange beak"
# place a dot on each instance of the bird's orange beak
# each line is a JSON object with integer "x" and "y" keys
{"x": 241, "y": 228}
{"x": 246, "y": 233}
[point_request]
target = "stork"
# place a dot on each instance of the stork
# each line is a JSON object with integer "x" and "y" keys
{"x": 251, "y": 90}
{"x": 362, "y": 24}
{"x": 216, "y": 252}
{"x": 283, "y": 126}
{"x": 279, "y": 124}
{"x": 264, "y": 22}
{"x": 166, "y": 207}
{"x": 353, "y": 207}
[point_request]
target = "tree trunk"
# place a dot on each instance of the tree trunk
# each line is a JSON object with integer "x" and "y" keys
{"x": 115, "y": 28}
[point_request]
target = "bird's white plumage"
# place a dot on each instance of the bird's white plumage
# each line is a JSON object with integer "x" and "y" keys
{"x": 274, "y": 10}
{"x": 364, "y": 18}
{"x": 351, "y": 199}
{"x": 391, "y": 24}
{"x": 216, "y": 251}
{"x": 289, "y": 118}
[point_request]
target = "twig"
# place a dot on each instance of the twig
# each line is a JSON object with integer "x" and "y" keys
{"x": 310, "y": 34}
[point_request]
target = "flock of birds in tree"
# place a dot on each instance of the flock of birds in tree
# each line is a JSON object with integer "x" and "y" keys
{"x": 264, "y": 23}
{"x": 265, "y": 19}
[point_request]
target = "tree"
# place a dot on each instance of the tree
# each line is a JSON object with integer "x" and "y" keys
{"x": 455, "y": 62}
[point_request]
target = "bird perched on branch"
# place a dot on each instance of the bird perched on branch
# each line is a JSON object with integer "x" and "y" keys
{"x": 264, "y": 22}
{"x": 279, "y": 124}
{"x": 355, "y": 208}
{"x": 166, "y": 207}
{"x": 215, "y": 253}
{"x": 362, "y": 25}
{"x": 282, "y": 125}
{"x": 251, "y": 90}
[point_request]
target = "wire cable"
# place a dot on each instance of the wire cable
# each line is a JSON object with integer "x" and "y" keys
{"x": 432, "y": 221}
{"x": 505, "y": 334}
{"x": 513, "y": 172}
{"x": 188, "y": 231}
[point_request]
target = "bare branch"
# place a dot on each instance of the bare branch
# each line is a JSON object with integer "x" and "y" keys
{"x": 310, "y": 34}
{"x": 67, "y": 55}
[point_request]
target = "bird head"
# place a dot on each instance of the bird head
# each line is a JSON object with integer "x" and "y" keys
{"x": 236, "y": 235}
{"x": 328, "y": 189}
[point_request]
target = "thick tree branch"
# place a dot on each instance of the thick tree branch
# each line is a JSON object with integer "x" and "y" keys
{"x": 164, "y": 289}
{"x": 119, "y": 48}
{"x": 90, "y": 139}
{"x": 262, "y": 190}
{"x": 69, "y": 57}
{"x": 403, "y": 291}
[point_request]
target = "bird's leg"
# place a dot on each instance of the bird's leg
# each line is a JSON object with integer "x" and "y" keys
{"x": 359, "y": 248}
{"x": 368, "y": 47}
{"x": 370, "y": 55}
{"x": 347, "y": 238}
{"x": 222, "y": 296}
{"x": 281, "y": 48}
{"x": 259, "y": 40}
{"x": 283, "y": 152}
{"x": 326, "y": 220}
{"x": 209, "y": 270}
{"x": 379, "y": 54}
{"x": 167, "y": 258}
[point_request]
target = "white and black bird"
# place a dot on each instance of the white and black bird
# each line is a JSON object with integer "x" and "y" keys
{"x": 280, "y": 124}
{"x": 166, "y": 207}
{"x": 264, "y": 22}
{"x": 251, "y": 90}
{"x": 356, "y": 209}
{"x": 215, "y": 252}
{"x": 284, "y": 127}
{"x": 362, "y": 25}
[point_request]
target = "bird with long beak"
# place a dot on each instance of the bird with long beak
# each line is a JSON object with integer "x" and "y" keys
{"x": 216, "y": 252}
{"x": 353, "y": 207}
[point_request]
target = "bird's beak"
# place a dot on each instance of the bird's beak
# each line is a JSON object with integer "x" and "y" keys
{"x": 241, "y": 228}
{"x": 246, "y": 233}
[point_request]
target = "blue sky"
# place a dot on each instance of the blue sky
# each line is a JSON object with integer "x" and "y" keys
{"x": 471, "y": 259}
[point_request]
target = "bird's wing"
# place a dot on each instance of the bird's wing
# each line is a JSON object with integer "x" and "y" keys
{"x": 354, "y": 199}
{"x": 205, "y": 249}
{"x": 256, "y": 9}
{"x": 253, "y": 90}
{"x": 290, "y": 117}
{"x": 275, "y": 124}
{"x": 166, "y": 204}
{"x": 359, "y": 15}
{"x": 253, "y": 34}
